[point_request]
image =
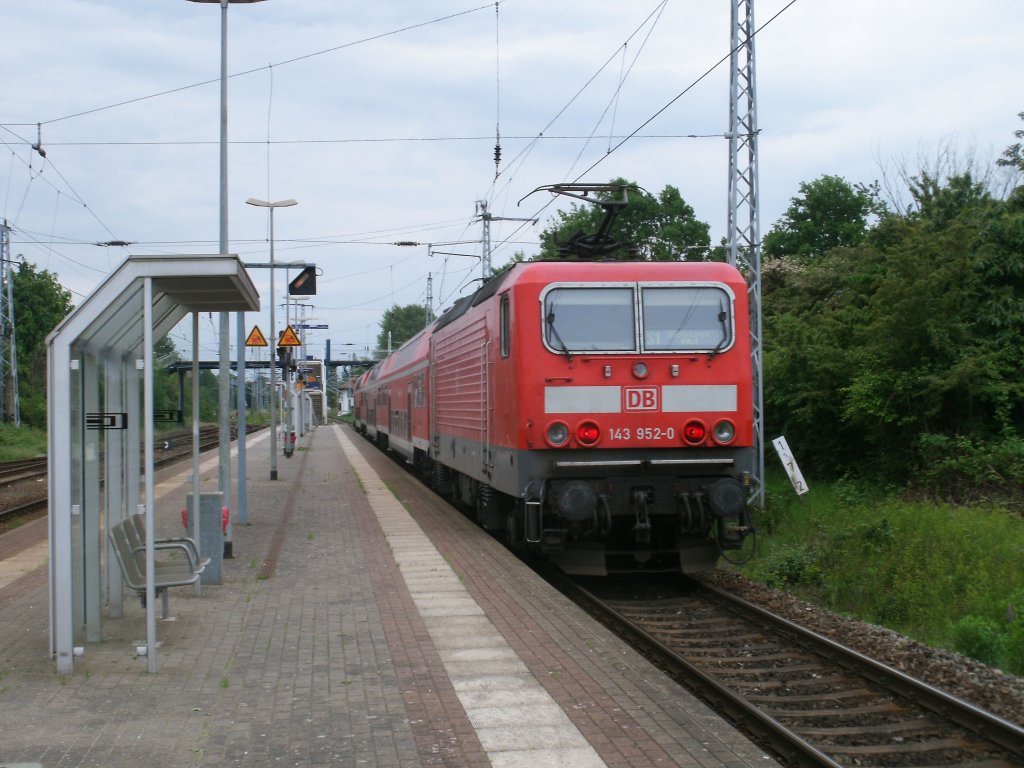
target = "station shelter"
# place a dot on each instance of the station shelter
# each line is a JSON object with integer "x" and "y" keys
{"x": 100, "y": 370}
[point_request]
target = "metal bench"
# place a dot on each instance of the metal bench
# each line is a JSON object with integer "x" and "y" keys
{"x": 168, "y": 572}
{"x": 135, "y": 527}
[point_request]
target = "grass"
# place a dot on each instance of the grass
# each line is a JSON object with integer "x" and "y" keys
{"x": 30, "y": 442}
{"x": 945, "y": 575}
{"x": 21, "y": 442}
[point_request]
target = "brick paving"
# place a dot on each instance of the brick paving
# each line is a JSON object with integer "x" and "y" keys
{"x": 631, "y": 713}
{"x": 313, "y": 653}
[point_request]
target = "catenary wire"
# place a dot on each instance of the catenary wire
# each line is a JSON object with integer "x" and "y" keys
{"x": 292, "y": 60}
{"x": 660, "y": 111}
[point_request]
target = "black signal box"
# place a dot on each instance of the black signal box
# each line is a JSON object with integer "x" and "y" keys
{"x": 304, "y": 284}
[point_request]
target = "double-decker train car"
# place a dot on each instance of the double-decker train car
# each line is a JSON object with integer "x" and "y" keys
{"x": 598, "y": 411}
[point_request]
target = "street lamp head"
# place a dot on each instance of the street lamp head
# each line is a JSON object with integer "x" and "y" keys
{"x": 264, "y": 203}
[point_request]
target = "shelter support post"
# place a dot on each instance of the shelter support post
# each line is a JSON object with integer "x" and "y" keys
{"x": 243, "y": 406}
{"x": 194, "y": 530}
{"x": 147, "y": 449}
{"x": 59, "y": 375}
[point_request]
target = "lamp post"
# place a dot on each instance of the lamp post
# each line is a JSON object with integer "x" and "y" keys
{"x": 273, "y": 333}
{"x": 224, "y": 349}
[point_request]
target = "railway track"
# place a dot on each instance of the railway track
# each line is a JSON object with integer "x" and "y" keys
{"x": 22, "y": 469}
{"x": 811, "y": 700}
{"x": 171, "y": 448}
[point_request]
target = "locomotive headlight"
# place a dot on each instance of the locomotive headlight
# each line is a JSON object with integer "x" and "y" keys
{"x": 588, "y": 433}
{"x": 640, "y": 369}
{"x": 557, "y": 434}
{"x": 694, "y": 432}
{"x": 575, "y": 500}
{"x": 725, "y": 431}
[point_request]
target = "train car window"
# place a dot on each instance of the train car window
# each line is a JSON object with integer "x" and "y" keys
{"x": 506, "y": 326}
{"x": 686, "y": 318}
{"x": 585, "y": 319}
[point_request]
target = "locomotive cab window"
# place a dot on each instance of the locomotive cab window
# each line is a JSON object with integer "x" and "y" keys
{"x": 587, "y": 319}
{"x": 686, "y": 318}
{"x": 671, "y": 317}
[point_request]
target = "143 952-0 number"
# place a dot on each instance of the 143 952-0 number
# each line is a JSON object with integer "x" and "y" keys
{"x": 642, "y": 433}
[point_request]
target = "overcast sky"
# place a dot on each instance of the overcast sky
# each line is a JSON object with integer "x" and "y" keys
{"x": 380, "y": 118}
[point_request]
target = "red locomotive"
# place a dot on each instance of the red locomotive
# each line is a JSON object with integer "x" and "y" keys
{"x": 600, "y": 412}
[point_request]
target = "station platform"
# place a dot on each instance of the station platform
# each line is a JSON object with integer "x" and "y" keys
{"x": 362, "y": 621}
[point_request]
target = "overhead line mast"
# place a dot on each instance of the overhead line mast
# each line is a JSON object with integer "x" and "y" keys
{"x": 485, "y": 216}
{"x": 10, "y": 407}
{"x": 744, "y": 235}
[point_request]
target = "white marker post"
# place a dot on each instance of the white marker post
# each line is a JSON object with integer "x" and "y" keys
{"x": 789, "y": 464}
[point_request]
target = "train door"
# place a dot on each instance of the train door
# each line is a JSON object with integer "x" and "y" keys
{"x": 408, "y": 411}
{"x": 488, "y": 406}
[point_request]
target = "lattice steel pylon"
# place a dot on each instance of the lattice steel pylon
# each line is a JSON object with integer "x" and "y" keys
{"x": 485, "y": 258}
{"x": 744, "y": 235}
{"x": 10, "y": 409}
{"x": 429, "y": 302}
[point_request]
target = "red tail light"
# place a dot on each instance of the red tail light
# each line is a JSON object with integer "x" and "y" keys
{"x": 694, "y": 432}
{"x": 588, "y": 433}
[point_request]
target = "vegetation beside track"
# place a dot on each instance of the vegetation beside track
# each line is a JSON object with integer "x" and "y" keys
{"x": 21, "y": 443}
{"x": 947, "y": 575}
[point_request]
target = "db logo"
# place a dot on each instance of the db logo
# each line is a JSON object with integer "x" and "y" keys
{"x": 641, "y": 398}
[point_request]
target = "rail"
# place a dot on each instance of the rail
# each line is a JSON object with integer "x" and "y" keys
{"x": 174, "y": 447}
{"x": 810, "y": 699}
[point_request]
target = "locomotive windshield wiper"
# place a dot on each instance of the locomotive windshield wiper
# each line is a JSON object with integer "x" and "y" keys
{"x": 550, "y": 320}
{"x": 722, "y": 316}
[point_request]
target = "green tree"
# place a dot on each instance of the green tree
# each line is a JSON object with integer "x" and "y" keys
{"x": 1013, "y": 156}
{"x": 828, "y": 213}
{"x": 939, "y": 201}
{"x": 901, "y": 357}
{"x": 40, "y": 303}
{"x": 402, "y": 323}
{"x": 662, "y": 228}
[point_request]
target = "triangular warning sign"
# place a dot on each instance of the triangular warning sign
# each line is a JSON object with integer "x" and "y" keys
{"x": 289, "y": 339}
{"x": 256, "y": 338}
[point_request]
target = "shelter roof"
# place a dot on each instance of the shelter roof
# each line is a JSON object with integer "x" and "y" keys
{"x": 110, "y": 319}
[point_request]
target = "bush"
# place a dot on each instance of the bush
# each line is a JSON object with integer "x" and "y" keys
{"x": 962, "y": 469}
{"x": 791, "y": 566}
{"x": 979, "y": 638}
{"x": 1014, "y": 648}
